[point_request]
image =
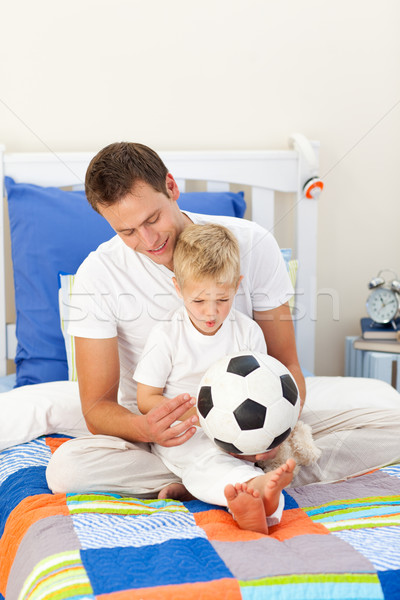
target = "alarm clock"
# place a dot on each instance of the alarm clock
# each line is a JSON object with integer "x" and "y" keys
{"x": 383, "y": 302}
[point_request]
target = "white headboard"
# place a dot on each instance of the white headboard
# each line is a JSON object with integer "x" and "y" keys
{"x": 266, "y": 172}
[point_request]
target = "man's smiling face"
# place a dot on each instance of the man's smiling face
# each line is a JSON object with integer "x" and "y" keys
{"x": 148, "y": 221}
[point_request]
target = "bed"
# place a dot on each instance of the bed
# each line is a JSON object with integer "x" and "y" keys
{"x": 335, "y": 540}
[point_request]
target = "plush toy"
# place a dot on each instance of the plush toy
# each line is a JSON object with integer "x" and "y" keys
{"x": 299, "y": 445}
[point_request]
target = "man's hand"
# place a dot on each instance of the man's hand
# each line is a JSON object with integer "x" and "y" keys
{"x": 159, "y": 420}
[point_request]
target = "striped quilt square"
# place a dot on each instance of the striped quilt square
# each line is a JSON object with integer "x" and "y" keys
{"x": 354, "y": 514}
{"x": 120, "y": 505}
{"x": 60, "y": 576}
{"x": 31, "y": 454}
{"x": 110, "y": 530}
{"x": 393, "y": 470}
{"x": 314, "y": 587}
{"x": 381, "y": 545}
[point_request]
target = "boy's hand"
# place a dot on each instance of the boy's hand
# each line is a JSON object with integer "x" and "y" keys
{"x": 159, "y": 421}
{"x": 256, "y": 457}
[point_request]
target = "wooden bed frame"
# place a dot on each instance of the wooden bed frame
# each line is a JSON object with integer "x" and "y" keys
{"x": 265, "y": 172}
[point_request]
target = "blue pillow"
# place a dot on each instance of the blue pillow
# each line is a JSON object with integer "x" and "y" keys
{"x": 53, "y": 230}
{"x": 229, "y": 204}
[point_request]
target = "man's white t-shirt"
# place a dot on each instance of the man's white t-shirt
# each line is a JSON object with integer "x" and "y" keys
{"x": 177, "y": 355}
{"x": 119, "y": 292}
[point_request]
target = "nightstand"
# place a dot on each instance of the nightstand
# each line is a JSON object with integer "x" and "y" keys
{"x": 368, "y": 363}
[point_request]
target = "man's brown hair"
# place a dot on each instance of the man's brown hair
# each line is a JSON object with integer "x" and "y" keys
{"x": 114, "y": 171}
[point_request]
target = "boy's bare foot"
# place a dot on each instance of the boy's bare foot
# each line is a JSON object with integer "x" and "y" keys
{"x": 246, "y": 507}
{"x": 272, "y": 483}
{"x": 175, "y": 491}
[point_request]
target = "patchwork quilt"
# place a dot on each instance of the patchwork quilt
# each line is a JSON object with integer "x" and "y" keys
{"x": 335, "y": 541}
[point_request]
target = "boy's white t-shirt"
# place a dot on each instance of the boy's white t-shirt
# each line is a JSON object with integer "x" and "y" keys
{"x": 177, "y": 355}
{"x": 119, "y": 292}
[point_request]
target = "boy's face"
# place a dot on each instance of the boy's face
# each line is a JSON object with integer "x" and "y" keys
{"x": 148, "y": 221}
{"x": 208, "y": 303}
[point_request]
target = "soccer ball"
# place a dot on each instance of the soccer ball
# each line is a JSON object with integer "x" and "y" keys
{"x": 248, "y": 403}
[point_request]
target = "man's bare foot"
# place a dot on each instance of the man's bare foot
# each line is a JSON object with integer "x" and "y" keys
{"x": 272, "y": 483}
{"x": 175, "y": 491}
{"x": 246, "y": 507}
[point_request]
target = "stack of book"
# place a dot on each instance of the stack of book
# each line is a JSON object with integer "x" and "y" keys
{"x": 379, "y": 338}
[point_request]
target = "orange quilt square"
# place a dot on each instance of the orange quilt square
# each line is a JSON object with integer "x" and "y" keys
{"x": 210, "y": 590}
{"x": 56, "y": 442}
{"x": 220, "y": 526}
{"x": 296, "y": 522}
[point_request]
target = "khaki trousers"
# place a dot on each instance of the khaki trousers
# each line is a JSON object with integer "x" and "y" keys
{"x": 355, "y": 422}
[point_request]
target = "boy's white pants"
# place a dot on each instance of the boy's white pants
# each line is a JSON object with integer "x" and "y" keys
{"x": 205, "y": 470}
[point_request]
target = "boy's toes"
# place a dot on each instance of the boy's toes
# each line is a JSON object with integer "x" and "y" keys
{"x": 230, "y": 492}
{"x": 291, "y": 463}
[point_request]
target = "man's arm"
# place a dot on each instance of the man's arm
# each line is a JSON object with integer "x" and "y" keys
{"x": 277, "y": 326}
{"x": 97, "y": 362}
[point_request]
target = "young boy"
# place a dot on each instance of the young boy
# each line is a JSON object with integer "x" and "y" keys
{"x": 177, "y": 354}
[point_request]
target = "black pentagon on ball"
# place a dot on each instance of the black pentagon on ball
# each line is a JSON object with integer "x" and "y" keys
{"x": 279, "y": 439}
{"x": 231, "y": 448}
{"x": 204, "y": 401}
{"x": 250, "y": 415}
{"x": 243, "y": 365}
{"x": 289, "y": 389}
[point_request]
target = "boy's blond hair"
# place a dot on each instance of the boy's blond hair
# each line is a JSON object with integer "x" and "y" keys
{"x": 207, "y": 251}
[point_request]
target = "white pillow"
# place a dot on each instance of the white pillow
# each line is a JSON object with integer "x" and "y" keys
{"x": 344, "y": 394}
{"x": 350, "y": 392}
{"x": 33, "y": 410}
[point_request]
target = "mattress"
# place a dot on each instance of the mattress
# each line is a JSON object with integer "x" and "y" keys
{"x": 335, "y": 541}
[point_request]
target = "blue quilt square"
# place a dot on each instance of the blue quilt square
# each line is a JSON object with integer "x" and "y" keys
{"x": 17, "y": 487}
{"x": 390, "y": 582}
{"x": 290, "y": 502}
{"x": 195, "y": 506}
{"x": 171, "y": 563}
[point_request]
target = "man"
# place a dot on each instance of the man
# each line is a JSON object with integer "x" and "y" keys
{"x": 122, "y": 290}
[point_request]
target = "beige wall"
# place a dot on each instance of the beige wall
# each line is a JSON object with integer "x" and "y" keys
{"x": 228, "y": 74}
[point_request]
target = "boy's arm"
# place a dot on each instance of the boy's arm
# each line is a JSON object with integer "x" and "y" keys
{"x": 149, "y": 397}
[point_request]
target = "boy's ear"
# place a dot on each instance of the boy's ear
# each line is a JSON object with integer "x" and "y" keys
{"x": 178, "y": 289}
